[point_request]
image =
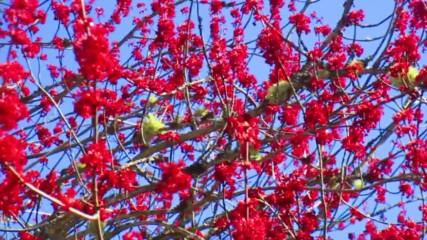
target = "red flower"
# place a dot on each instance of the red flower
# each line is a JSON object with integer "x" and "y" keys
{"x": 93, "y": 53}
{"x": 173, "y": 178}
{"x": 354, "y": 141}
{"x": 244, "y": 128}
{"x": 45, "y": 136}
{"x": 301, "y": 21}
{"x": 216, "y": 6}
{"x": 133, "y": 235}
{"x": 122, "y": 8}
{"x": 13, "y": 72}
{"x": 355, "y": 48}
{"x": 406, "y": 189}
{"x": 404, "y": 48}
{"x": 62, "y": 12}
{"x": 402, "y": 20}
{"x": 28, "y": 236}
{"x": 91, "y": 101}
{"x": 97, "y": 156}
{"x": 355, "y": 17}
{"x": 12, "y": 110}
{"x": 23, "y": 12}
{"x": 323, "y": 29}
{"x": 250, "y": 5}
{"x": 357, "y": 214}
{"x": 419, "y": 13}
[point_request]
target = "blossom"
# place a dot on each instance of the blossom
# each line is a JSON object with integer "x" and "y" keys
{"x": 301, "y": 21}
{"x": 174, "y": 179}
{"x": 244, "y": 129}
{"x": 97, "y": 156}
{"x": 355, "y": 17}
{"x": 12, "y": 110}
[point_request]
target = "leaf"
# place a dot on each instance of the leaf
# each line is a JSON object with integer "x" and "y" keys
{"x": 358, "y": 184}
{"x": 278, "y": 93}
{"x": 408, "y": 80}
{"x": 151, "y": 126}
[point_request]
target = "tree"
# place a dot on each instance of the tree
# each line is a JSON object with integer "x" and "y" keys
{"x": 212, "y": 119}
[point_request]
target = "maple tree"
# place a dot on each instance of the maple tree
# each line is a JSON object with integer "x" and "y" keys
{"x": 212, "y": 119}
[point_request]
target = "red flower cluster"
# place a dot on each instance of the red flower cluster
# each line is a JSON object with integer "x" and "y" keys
{"x": 45, "y": 136}
{"x": 12, "y": 153}
{"x": 92, "y": 48}
{"x": 24, "y": 12}
{"x": 419, "y": 13}
{"x": 304, "y": 152}
{"x": 257, "y": 225}
{"x": 224, "y": 172}
{"x": 13, "y": 72}
{"x": 301, "y": 21}
{"x": 62, "y": 12}
{"x": 323, "y": 29}
{"x": 89, "y": 102}
{"x": 97, "y": 157}
{"x": 173, "y": 178}
{"x": 122, "y": 8}
{"x": 244, "y": 129}
{"x": 12, "y": 110}
{"x": 405, "y": 49}
{"x": 355, "y": 17}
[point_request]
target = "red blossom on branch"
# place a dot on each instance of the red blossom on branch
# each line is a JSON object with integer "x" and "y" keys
{"x": 301, "y": 22}
{"x": 212, "y": 119}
